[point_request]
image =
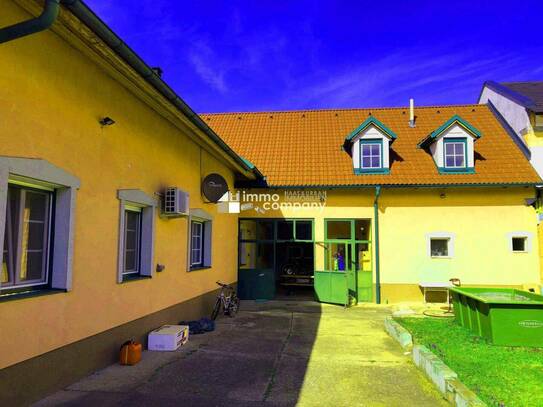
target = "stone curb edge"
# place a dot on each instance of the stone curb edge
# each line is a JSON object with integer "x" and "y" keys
{"x": 444, "y": 378}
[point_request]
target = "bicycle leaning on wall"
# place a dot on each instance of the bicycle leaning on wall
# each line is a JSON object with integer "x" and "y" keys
{"x": 227, "y": 300}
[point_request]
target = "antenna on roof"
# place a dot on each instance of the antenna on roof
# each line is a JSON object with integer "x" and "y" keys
{"x": 411, "y": 112}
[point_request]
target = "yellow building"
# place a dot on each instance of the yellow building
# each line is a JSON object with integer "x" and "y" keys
{"x": 351, "y": 205}
{"x": 90, "y": 140}
{"x": 520, "y": 107}
{"x": 382, "y": 204}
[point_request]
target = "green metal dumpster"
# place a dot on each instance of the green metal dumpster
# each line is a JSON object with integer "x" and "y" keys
{"x": 504, "y": 316}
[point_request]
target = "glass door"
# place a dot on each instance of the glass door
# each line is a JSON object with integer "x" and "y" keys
{"x": 362, "y": 260}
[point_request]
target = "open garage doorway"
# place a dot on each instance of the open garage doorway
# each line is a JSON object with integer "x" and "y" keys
{"x": 276, "y": 259}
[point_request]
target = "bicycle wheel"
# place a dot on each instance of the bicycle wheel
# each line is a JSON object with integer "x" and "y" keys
{"x": 233, "y": 307}
{"x": 216, "y": 310}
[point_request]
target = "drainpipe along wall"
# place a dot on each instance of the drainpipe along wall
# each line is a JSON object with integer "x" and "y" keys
{"x": 42, "y": 22}
{"x": 376, "y": 240}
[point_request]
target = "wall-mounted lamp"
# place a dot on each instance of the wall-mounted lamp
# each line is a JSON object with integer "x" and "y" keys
{"x": 106, "y": 121}
{"x": 442, "y": 195}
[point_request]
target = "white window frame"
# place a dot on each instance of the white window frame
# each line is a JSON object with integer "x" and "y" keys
{"x": 16, "y": 246}
{"x": 379, "y": 154}
{"x": 520, "y": 234}
{"x": 449, "y": 237}
{"x": 454, "y": 143}
{"x": 137, "y": 248}
{"x": 137, "y": 200}
{"x": 200, "y": 216}
{"x": 40, "y": 174}
{"x": 197, "y": 243}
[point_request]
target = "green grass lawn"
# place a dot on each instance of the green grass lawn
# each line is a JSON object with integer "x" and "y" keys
{"x": 501, "y": 376}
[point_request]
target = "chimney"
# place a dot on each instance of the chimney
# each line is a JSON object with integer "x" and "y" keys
{"x": 158, "y": 71}
{"x": 411, "y": 112}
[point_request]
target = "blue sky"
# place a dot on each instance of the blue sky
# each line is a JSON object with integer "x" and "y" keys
{"x": 279, "y": 55}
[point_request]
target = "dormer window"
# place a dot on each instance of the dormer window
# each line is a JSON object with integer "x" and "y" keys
{"x": 369, "y": 147}
{"x": 455, "y": 153}
{"x": 371, "y": 154}
{"x": 452, "y": 146}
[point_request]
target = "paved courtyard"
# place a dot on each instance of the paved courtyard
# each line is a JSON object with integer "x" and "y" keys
{"x": 279, "y": 353}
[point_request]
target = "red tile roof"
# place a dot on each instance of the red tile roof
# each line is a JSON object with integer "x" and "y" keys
{"x": 303, "y": 148}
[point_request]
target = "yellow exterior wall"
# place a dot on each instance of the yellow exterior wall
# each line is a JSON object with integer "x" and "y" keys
{"x": 534, "y": 138}
{"x": 540, "y": 245}
{"x": 480, "y": 218}
{"x": 51, "y": 99}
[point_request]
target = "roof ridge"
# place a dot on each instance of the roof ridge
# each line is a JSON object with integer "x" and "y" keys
{"x": 523, "y": 82}
{"x": 347, "y": 109}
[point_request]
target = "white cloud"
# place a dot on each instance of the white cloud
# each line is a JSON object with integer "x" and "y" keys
{"x": 207, "y": 70}
{"x": 406, "y": 72}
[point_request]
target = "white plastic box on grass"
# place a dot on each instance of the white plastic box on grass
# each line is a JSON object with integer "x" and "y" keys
{"x": 168, "y": 337}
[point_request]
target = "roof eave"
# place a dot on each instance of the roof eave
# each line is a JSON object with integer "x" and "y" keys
{"x": 512, "y": 95}
{"x": 91, "y": 20}
{"x": 400, "y": 185}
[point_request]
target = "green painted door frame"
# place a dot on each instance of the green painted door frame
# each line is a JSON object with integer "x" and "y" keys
{"x": 259, "y": 283}
{"x": 355, "y": 282}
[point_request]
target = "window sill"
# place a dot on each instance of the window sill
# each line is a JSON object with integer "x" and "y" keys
{"x": 199, "y": 268}
{"x": 374, "y": 171}
{"x": 447, "y": 171}
{"x": 30, "y": 294}
{"x": 138, "y": 277}
{"x": 441, "y": 257}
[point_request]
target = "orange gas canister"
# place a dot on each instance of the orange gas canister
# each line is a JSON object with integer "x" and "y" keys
{"x": 130, "y": 353}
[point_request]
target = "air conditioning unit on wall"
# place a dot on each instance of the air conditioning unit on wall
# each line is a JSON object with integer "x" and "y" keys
{"x": 175, "y": 202}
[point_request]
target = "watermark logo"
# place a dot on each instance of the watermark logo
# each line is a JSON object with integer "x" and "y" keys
{"x": 531, "y": 323}
{"x": 294, "y": 200}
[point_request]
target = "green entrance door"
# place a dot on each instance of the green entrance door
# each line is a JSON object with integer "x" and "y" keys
{"x": 256, "y": 275}
{"x": 332, "y": 280}
{"x": 343, "y": 262}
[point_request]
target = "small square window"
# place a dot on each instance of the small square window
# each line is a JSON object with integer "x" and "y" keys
{"x": 304, "y": 230}
{"x": 370, "y": 155}
{"x": 439, "y": 247}
{"x": 518, "y": 244}
{"x": 285, "y": 230}
{"x": 539, "y": 121}
{"x": 455, "y": 154}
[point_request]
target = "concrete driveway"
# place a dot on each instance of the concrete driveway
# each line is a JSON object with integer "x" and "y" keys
{"x": 279, "y": 353}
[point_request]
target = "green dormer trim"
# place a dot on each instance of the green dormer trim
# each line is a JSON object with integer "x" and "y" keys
{"x": 369, "y": 122}
{"x": 476, "y": 134}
